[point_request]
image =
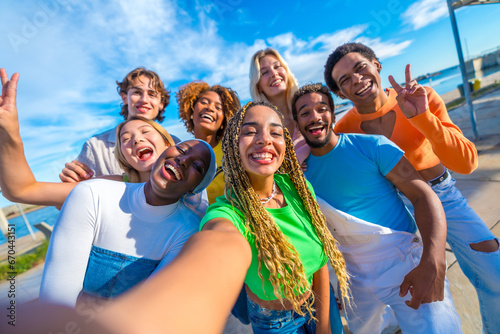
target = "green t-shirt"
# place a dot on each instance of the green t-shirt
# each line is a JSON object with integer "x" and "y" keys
{"x": 294, "y": 222}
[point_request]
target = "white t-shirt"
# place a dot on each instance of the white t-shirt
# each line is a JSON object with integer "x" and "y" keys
{"x": 115, "y": 216}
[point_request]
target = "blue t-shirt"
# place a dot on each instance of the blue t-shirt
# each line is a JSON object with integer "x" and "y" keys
{"x": 351, "y": 178}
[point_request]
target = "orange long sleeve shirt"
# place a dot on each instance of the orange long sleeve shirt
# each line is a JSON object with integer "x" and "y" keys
{"x": 426, "y": 139}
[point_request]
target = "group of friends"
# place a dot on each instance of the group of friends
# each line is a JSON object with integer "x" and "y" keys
{"x": 249, "y": 216}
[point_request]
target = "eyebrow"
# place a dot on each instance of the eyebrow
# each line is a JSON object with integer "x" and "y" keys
{"x": 321, "y": 102}
{"x": 140, "y": 127}
{"x": 257, "y": 124}
{"x": 355, "y": 65}
{"x": 273, "y": 63}
{"x": 149, "y": 89}
{"x": 206, "y": 98}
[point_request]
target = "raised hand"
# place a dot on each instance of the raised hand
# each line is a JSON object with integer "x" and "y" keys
{"x": 412, "y": 98}
{"x": 9, "y": 124}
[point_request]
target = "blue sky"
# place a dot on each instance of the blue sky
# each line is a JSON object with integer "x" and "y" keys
{"x": 70, "y": 53}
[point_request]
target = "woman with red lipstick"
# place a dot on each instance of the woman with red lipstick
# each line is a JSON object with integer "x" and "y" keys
{"x": 271, "y": 80}
{"x": 205, "y": 110}
{"x": 111, "y": 235}
{"x": 269, "y": 203}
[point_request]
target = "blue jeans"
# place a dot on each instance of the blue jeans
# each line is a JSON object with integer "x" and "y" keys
{"x": 110, "y": 274}
{"x": 482, "y": 269}
{"x": 265, "y": 321}
{"x": 240, "y": 311}
{"x": 375, "y": 283}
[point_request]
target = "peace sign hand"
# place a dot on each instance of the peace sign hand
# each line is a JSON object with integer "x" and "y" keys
{"x": 412, "y": 99}
{"x": 9, "y": 125}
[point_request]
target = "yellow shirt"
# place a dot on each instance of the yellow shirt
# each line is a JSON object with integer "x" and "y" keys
{"x": 216, "y": 187}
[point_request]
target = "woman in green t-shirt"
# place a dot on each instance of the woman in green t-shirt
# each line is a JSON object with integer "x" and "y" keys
{"x": 268, "y": 202}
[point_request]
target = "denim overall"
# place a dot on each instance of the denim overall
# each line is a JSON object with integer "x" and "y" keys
{"x": 377, "y": 260}
{"x": 110, "y": 274}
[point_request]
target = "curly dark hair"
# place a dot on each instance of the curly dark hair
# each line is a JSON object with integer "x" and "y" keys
{"x": 157, "y": 84}
{"x": 311, "y": 88}
{"x": 188, "y": 95}
{"x": 340, "y": 52}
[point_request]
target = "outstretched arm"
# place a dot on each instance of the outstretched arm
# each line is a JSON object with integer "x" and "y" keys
{"x": 16, "y": 178}
{"x": 193, "y": 283}
{"x": 426, "y": 281}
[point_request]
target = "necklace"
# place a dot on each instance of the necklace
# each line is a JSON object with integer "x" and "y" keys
{"x": 267, "y": 199}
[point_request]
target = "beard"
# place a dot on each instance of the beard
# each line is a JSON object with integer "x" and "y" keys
{"x": 320, "y": 143}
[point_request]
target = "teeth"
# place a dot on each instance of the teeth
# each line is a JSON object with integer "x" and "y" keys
{"x": 262, "y": 156}
{"x": 276, "y": 82}
{"x": 176, "y": 173}
{"x": 316, "y": 127}
{"x": 143, "y": 151}
{"x": 210, "y": 118}
{"x": 364, "y": 89}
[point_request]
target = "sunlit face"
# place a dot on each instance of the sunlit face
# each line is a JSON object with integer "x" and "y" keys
{"x": 180, "y": 168}
{"x": 273, "y": 77}
{"x": 142, "y": 99}
{"x": 207, "y": 112}
{"x": 141, "y": 145}
{"x": 358, "y": 78}
{"x": 262, "y": 143}
{"x": 315, "y": 119}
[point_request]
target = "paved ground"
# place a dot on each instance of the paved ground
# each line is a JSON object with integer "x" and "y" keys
{"x": 482, "y": 188}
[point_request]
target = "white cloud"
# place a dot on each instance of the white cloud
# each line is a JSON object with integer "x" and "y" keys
{"x": 425, "y": 12}
{"x": 68, "y": 67}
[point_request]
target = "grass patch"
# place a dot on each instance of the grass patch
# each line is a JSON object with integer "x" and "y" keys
{"x": 26, "y": 261}
{"x": 479, "y": 92}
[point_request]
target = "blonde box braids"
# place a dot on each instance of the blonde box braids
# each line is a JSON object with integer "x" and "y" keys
{"x": 287, "y": 274}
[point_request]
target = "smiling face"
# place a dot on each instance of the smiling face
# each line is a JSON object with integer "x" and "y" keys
{"x": 315, "y": 121}
{"x": 141, "y": 145}
{"x": 262, "y": 143}
{"x": 358, "y": 78}
{"x": 142, "y": 99}
{"x": 208, "y": 115}
{"x": 180, "y": 169}
{"x": 273, "y": 77}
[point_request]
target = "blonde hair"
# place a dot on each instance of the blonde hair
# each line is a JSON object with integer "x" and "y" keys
{"x": 280, "y": 257}
{"x": 131, "y": 173}
{"x": 291, "y": 84}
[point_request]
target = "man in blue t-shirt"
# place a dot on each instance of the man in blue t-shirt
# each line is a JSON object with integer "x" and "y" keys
{"x": 360, "y": 176}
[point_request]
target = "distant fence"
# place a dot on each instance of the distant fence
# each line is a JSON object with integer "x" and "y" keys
{"x": 485, "y": 61}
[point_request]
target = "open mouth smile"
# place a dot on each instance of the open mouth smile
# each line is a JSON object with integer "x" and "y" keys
{"x": 365, "y": 88}
{"x": 172, "y": 172}
{"x": 262, "y": 157}
{"x": 207, "y": 117}
{"x": 276, "y": 83}
{"x": 316, "y": 129}
{"x": 144, "y": 153}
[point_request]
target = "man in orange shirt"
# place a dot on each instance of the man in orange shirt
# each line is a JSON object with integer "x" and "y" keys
{"x": 415, "y": 118}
